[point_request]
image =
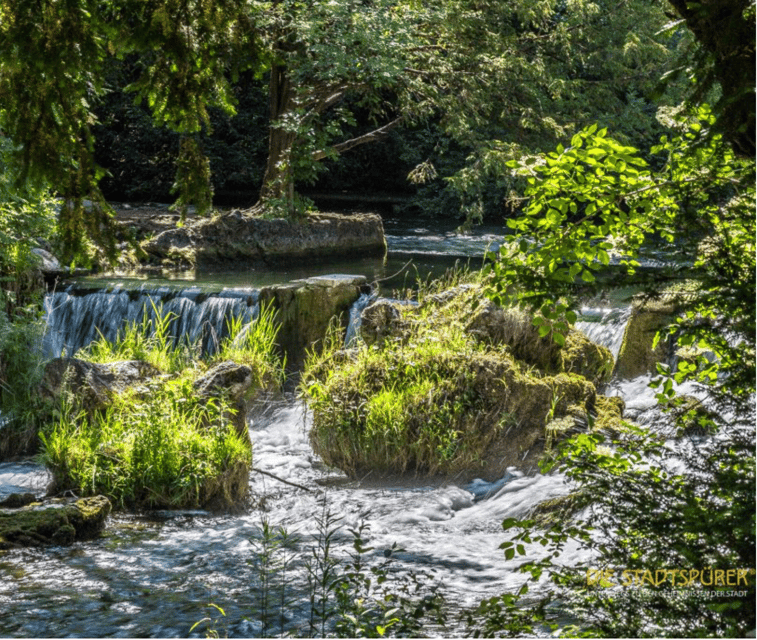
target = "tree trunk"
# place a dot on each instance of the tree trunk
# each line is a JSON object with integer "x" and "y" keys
{"x": 278, "y": 180}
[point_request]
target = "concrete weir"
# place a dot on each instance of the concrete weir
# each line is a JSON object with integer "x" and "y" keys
{"x": 78, "y": 314}
{"x": 307, "y": 307}
{"x": 239, "y": 239}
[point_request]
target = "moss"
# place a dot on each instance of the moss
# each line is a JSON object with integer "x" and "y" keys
{"x": 57, "y": 524}
{"x": 556, "y": 510}
{"x": 636, "y": 356}
{"x": 443, "y": 395}
{"x": 580, "y": 355}
{"x": 609, "y": 414}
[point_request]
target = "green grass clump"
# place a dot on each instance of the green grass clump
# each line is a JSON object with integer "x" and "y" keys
{"x": 151, "y": 341}
{"x": 160, "y": 445}
{"x": 254, "y": 344}
{"x": 161, "y": 450}
{"x": 415, "y": 403}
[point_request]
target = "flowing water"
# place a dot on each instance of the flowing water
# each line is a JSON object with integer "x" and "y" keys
{"x": 150, "y": 575}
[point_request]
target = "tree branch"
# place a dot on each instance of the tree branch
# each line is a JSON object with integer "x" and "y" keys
{"x": 373, "y": 136}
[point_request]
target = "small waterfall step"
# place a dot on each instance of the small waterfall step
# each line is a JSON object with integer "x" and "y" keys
{"x": 78, "y": 315}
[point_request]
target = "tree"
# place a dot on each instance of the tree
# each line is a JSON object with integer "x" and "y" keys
{"x": 52, "y": 74}
{"x": 528, "y": 70}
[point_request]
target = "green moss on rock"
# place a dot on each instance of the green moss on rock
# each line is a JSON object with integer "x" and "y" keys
{"x": 434, "y": 392}
{"x": 59, "y": 523}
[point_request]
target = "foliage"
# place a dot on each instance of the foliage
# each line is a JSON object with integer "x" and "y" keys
{"x": 592, "y": 203}
{"x": 50, "y": 99}
{"x": 340, "y": 75}
{"x": 27, "y": 214}
{"x": 351, "y": 596}
{"x": 597, "y": 202}
{"x": 638, "y": 578}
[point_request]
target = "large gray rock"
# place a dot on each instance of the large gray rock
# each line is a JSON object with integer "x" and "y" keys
{"x": 238, "y": 238}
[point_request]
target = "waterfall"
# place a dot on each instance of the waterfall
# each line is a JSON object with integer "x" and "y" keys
{"x": 353, "y": 325}
{"x": 605, "y": 326}
{"x": 78, "y": 316}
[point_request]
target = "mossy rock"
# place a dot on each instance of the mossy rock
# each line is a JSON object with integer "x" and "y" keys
{"x": 305, "y": 309}
{"x": 55, "y": 523}
{"x": 473, "y": 413}
{"x": 636, "y": 356}
{"x": 582, "y": 356}
{"x": 557, "y": 510}
{"x": 609, "y": 413}
{"x": 437, "y": 388}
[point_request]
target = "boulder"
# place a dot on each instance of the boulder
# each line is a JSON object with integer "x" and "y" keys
{"x": 92, "y": 384}
{"x": 381, "y": 320}
{"x": 58, "y": 522}
{"x": 232, "y": 381}
{"x": 237, "y": 237}
{"x": 637, "y": 357}
{"x": 306, "y": 309}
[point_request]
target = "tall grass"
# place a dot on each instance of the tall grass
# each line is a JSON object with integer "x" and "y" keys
{"x": 162, "y": 450}
{"x": 149, "y": 340}
{"x": 254, "y": 344}
{"x": 159, "y": 445}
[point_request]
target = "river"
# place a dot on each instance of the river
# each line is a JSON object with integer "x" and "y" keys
{"x": 151, "y": 575}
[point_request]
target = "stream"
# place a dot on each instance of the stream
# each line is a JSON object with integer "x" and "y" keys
{"x": 151, "y": 575}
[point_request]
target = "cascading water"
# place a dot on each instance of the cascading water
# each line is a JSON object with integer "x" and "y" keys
{"x": 76, "y": 317}
{"x": 151, "y": 575}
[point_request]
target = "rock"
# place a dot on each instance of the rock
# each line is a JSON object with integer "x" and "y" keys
{"x": 457, "y": 393}
{"x": 232, "y": 381}
{"x": 380, "y": 320}
{"x": 582, "y": 356}
{"x": 237, "y": 238}
{"x": 57, "y": 522}
{"x": 92, "y": 384}
{"x": 514, "y": 328}
{"x": 48, "y": 262}
{"x": 637, "y": 357}
{"x": 17, "y": 500}
{"x": 306, "y": 308}
{"x": 227, "y": 378}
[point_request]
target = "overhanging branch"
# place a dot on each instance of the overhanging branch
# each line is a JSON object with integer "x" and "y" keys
{"x": 373, "y": 136}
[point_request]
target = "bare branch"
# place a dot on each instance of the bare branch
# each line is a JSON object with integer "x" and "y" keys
{"x": 373, "y": 136}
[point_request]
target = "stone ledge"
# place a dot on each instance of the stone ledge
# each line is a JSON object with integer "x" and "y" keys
{"x": 236, "y": 238}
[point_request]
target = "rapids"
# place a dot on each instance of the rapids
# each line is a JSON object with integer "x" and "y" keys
{"x": 151, "y": 575}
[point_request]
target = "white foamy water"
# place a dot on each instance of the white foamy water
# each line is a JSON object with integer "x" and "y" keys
{"x": 150, "y": 576}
